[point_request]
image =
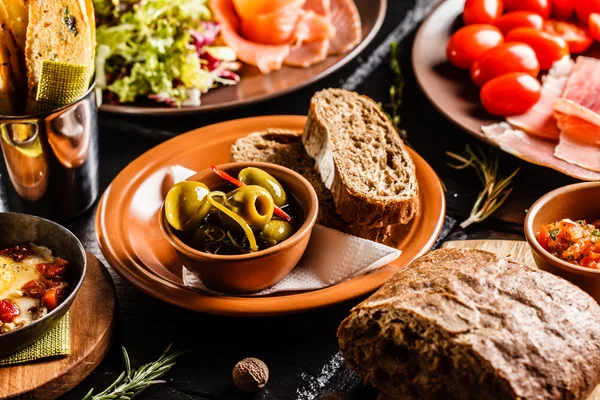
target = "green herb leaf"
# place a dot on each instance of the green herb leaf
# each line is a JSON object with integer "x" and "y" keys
{"x": 596, "y": 232}
{"x": 553, "y": 233}
{"x": 396, "y": 91}
{"x": 495, "y": 189}
{"x": 132, "y": 382}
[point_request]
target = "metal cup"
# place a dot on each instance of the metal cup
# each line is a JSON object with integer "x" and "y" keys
{"x": 50, "y": 161}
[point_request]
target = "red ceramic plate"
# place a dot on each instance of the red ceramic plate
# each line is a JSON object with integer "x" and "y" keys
{"x": 255, "y": 86}
{"x": 130, "y": 239}
{"x": 451, "y": 90}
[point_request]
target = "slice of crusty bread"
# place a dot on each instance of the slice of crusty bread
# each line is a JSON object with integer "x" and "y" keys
{"x": 57, "y": 31}
{"x": 285, "y": 148}
{"x": 9, "y": 95}
{"x": 361, "y": 159}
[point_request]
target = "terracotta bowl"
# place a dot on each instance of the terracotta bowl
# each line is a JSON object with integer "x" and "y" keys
{"x": 256, "y": 271}
{"x": 21, "y": 228}
{"x": 579, "y": 201}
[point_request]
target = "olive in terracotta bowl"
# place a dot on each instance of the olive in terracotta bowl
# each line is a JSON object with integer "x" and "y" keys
{"x": 240, "y": 227}
{"x": 563, "y": 230}
{"x": 42, "y": 267}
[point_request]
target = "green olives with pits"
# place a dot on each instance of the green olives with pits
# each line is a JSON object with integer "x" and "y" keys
{"x": 253, "y": 204}
{"x": 276, "y": 231}
{"x": 256, "y": 176}
{"x": 186, "y": 205}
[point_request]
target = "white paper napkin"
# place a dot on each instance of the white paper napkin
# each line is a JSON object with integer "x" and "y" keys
{"x": 331, "y": 257}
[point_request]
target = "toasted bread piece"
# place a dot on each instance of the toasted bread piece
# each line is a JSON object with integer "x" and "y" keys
{"x": 361, "y": 159}
{"x": 58, "y": 31}
{"x": 17, "y": 13}
{"x": 285, "y": 148}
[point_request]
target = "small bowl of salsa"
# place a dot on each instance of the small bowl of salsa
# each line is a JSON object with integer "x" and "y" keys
{"x": 563, "y": 230}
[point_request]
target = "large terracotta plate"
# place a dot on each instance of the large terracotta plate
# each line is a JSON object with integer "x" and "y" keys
{"x": 255, "y": 86}
{"x": 130, "y": 239}
{"x": 451, "y": 90}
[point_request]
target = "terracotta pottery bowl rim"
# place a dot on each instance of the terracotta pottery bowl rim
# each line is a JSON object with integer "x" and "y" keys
{"x": 311, "y": 211}
{"x": 530, "y": 230}
{"x": 68, "y": 301}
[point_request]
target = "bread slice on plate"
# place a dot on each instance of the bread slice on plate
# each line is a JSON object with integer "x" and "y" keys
{"x": 361, "y": 159}
{"x": 283, "y": 147}
{"x": 58, "y": 31}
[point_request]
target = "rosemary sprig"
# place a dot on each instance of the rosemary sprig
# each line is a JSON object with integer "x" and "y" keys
{"x": 396, "y": 91}
{"x": 495, "y": 189}
{"x": 131, "y": 382}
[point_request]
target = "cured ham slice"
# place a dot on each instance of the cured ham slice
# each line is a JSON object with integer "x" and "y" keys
{"x": 265, "y": 32}
{"x": 312, "y": 27}
{"x": 276, "y": 27}
{"x": 534, "y": 149}
{"x": 308, "y": 54}
{"x": 346, "y": 21}
{"x": 577, "y": 116}
{"x": 540, "y": 120}
{"x": 321, "y": 7}
{"x": 312, "y": 53}
{"x": 266, "y": 57}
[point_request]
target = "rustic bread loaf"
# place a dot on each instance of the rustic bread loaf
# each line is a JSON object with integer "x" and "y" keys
{"x": 285, "y": 148}
{"x": 465, "y": 324}
{"x": 361, "y": 159}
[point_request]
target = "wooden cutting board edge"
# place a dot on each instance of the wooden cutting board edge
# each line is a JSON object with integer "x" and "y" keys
{"x": 90, "y": 341}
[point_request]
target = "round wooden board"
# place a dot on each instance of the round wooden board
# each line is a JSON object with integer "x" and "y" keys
{"x": 92, "y": 326}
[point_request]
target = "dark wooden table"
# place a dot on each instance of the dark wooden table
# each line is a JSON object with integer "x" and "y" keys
{"x": 300, "y": 350}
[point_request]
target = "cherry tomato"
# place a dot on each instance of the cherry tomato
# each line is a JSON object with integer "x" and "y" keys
{"x": 482, "y": 11}
{"x": 547, "y": 47}
{"x": 563, "y": 9}
{"x": 584, "y": 8}
{"x": 577, "y": 37}
{"x": 594, "y": 25}
{"x": 510, "y": 94}
{"x": 504, "y": 59}
{"x": 8, "y": 310}
{"x": 541, "y": 7}
{"x": 519, "y": 19}
{"x": 470, "y": 42}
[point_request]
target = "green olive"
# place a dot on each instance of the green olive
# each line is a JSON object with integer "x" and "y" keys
{"x": 186, "y": 205}
{"x": 207, "y": 237}
{"x": 276, "y": 231}
{"x": 256, "y": 176}
{"x": 253, "y": 204}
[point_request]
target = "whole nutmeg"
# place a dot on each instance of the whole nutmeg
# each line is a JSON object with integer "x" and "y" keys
{"x": 250, "y": 375}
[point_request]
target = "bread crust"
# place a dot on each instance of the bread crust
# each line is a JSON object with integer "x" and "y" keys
{"x": 524, "y": 332}
{"x": 352, "y": 205}
{"x": 284, "y": 147}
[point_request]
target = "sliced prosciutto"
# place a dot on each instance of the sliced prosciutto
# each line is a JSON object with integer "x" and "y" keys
{"x": 265, "y": 33}
{"x": 266, "y": 57}
{"x": 346, "y": 21}
{"x": 577, "y": 114}
{"x": 312, "y": 53}
{"x": 534, "y": 149}
{"x": 540, "y": 120}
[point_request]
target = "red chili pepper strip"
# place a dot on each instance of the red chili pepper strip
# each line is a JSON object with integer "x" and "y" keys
{"x": 222, "y": 174}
